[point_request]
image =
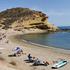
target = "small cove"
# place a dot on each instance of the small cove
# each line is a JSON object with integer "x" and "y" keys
{"x": 57, "y": 39}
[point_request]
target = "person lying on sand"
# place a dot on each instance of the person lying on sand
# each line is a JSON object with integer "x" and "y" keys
{"x": 17, "y": 51}
{"x": 39, "y": 62}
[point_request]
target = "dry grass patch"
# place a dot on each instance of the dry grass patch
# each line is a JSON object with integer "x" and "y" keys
{"x": 1, "y": 58}
{"x": 13, "y": 63}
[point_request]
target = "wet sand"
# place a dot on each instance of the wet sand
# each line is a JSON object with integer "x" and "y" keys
{"x": 49, "y": 54}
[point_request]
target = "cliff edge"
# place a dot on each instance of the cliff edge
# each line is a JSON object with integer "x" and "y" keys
{"x": 25, "y": 18}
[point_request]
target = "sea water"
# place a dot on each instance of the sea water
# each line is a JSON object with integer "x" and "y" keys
{"x": 57, "y": 39}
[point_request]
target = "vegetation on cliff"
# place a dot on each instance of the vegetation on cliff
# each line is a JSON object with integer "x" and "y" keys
{"x": 24, "y": 18}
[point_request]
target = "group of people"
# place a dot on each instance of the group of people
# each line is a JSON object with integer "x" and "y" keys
{"x": 19, "y": 51}
{"x": 36, "y": 61}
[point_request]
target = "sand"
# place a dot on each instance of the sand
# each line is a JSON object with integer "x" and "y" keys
{"x": 9, "y": 42}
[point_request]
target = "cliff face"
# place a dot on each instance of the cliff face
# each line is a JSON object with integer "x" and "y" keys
{"x": 24, "y": 18}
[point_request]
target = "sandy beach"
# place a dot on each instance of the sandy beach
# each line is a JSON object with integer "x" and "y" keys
{"x": 9, "y": 41}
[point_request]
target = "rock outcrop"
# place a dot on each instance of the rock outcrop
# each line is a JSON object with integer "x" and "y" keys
{"x": 24, "y": 18}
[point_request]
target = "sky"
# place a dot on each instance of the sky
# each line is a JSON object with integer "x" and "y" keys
{"x": 58, "y": 11}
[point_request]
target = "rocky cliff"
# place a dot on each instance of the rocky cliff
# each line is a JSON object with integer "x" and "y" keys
{"x": 24, "y": 18}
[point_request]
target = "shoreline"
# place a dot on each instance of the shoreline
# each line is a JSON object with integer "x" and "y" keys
{"x": 59, "y": 50}
{"x": 36, "y": 50}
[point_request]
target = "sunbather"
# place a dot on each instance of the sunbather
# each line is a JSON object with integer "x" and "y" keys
{"x": 36, "y": 62}
{"x": 30, "y": 58}
{"x": 39, "y": 62}
{"x": 17, "y": 51}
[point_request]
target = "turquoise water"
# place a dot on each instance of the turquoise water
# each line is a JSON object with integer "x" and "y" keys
{"x": 58, "y": 39}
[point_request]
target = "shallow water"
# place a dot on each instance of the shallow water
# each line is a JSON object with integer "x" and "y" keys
{"x": 58, "y": 39}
